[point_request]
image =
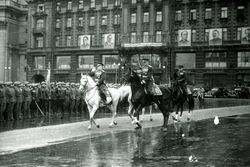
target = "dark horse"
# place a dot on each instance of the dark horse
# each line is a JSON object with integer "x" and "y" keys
{"x": 180, "y": 98}
{"x": 142, "y": 99}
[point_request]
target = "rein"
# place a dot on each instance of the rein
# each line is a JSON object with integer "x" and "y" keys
{"x": 87, "y": 90}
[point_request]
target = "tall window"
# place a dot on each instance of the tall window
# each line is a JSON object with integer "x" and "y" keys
{"x": 110, "y": 61}
{"x": 133, "y": 37}
{"x": 39, "y": 23}
{"x": 224, "y": 34}
{"x": 206, "y": 34}
{"x": 133, "y": 1}
{"x": 240, "y": 12}
{"x": 69, "y": 22}
{"x": 146, "y": 1}
{"x": 145, "y": 17}
{"x": 154, "y": 60}
{"x": 104, "y": 3}
{"x": 104, "y": 20}
{"x": 224, "y": 11}
{"x": 40, "y": 62}
{"x": 92, "y": 3}
{"x": 159, "y": 16}
{"x": 103, "y": 39}
{"x": 69, "y": 7}
{"x": 80, "y": 5}
{"x": 145, "y": 37}
{"x": 57, "y": 41}
{"x": 239, "y": 33}
{"x": 243, "y": 59}
{"x": 215, "y": 59}
{"x": 86, "y": 61}
{"x": 117, "y": 19}
{"x": 117, "y": 2}
{"x": 158, "y": 36}
{"x": 92, "y": 21}
{"x": 193, "y": 35}
{"x": 117, "y": 38}
{"x": 186, "y": 59}
{"x": 133, "y": 18}
{"x": 178, "y": 15}
{"x": 193, "y": 14}
{"x": 57, "y": 23}
{"x": 80, "y": 21}
{"x": 69, "y": 41}
{"x": 92, "y": 40}
{"x": 39, "y": 42}
{"x": 58, "y": 6}
{"x": 63, "y": 62}
{"x": 40, "y": 8}
{"x": 208, "y": 13}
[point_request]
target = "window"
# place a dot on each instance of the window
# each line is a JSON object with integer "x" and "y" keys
{"x": 92, "y": 3}
{"x": 208, "y": 13}
{"x": 133, "y": 18}
{"x": 215, "y": 59}
{"x": 69, "y": 22}
{"x": 158, "y": 36}
{"x": 39, "y": 42}
{"x": 239, "y": 30}
{"x": 80, "y": 21}
{"x": 224, "y": 34}
{"x": 63, "y": 62}
{"x": 145, "y": 37}
{"x": 80, "y": 5}
{"x": 39, "y": 23}
{"x": 92, "y": 21}
{"x": 104, "y": 20}
{"x": 193, "y": 14}
{"x": 57, "y": 23}
{"x": 69, "y": 7}
{"x": 57, "y": 41}
{"x": 193, "y": 35}
{"x": 133, "y": 37}
{"x": 69, "y": 41}
{"x": 159, "y": 16}
{"x": 117, "y": 19}
{"x": 104, "y": 3}
{"x": 86, "y": 61}
{"x": 206, "y": 34}
{"x": 154, "y": 60}
{"x": 186, "y": 59}
{"x": 58, "y": 6}
{"x": 224, "y": 12}
{"x": 40, "y": 8}
{"x": 243, "y": 59}
{"x": 145, "y": 17}
{"x": 92, "y": 40}
{"x": 240, "y": 12}
{"x": 40, "y": 62}
{"x": 176, "y": 36}
{"x": 103, "y": 36}
{"x": 110, "y": 61}
{"x": 117, "y": 38}
{"x": 133, "y": 1}
{"x": 178, "y": 15}
{"x": 146, "y": 1}
{"x": 117, "y": 2}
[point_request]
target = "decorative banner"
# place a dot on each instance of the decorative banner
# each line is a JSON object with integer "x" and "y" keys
{"x": 109, "y": 41}
{"x": 84, "y": 41}
{"x": 184, "y": 38}
{"x": 245, "y": 35}
{"x": 215, "y": 36}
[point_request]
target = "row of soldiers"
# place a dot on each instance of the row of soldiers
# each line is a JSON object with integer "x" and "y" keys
{"x": 26, "y": 100}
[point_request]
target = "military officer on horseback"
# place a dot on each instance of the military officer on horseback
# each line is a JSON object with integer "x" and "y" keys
{"x": 147, "y": 79}
{"x": 180, "y": 80}
{"x": 98, "y": 74}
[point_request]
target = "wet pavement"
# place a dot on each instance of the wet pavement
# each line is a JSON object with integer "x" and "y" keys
{"x": 195, "y": 143}
{"x": 122, "y": 110}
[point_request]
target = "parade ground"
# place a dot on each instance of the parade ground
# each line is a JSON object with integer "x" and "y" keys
{"x": 24, "y": 139}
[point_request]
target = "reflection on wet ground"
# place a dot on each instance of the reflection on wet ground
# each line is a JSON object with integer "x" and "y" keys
{"x": 122, "y": 110}
{"x": 185, "y": 144}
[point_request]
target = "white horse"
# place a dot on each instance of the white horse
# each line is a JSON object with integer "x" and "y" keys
{"x": 93, "y": 99}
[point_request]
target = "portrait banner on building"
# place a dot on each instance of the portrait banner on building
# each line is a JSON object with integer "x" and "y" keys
{"x": 184, "y": 37}
{"x": 109, "y": 41}
{"x": 245, "y": 35}
{"x": 84, "y": 41}
{"x": 215, "y": 36}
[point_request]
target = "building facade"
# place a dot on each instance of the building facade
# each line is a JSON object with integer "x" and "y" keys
{"x": 209, "y": 38}
{"x": 13, "y": 43}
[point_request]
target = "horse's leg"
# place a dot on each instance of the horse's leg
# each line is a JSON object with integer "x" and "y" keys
{"x": 113, "y": 108}
{"x": 130, "y": 108}
{"x": 181, "y": 111}
{"x": 136, "y": 116}
{"x": 94, "y": 108}
{"x": 142, "y": 115}
{"x": 150, "y": 112}
{"x": 90, "y": 120}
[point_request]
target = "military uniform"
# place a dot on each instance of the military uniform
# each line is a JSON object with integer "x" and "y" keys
{"x": 19, "y": 101}
{"x": 11, "y": 101}
{"x": 44, "y": 98}
{"x": 27, "y": 101}
{"x": 72, "y": 98}
{"x": 78, "y": 98}
{"x": 2, "y": 100}
{"x": 180, "y": 79}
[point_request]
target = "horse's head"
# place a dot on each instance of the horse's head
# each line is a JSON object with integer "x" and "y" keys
{"x": 131, "y": 76}
{"x": 83, "y": 81}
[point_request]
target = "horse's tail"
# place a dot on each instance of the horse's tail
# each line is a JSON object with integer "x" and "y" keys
{"x": 190, "y": 102}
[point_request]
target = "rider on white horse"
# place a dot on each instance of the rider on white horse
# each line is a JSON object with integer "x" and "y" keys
{"x": 98, "y": 74}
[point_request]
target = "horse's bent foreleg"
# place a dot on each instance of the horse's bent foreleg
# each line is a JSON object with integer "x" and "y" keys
{"x": 91, "y": 117}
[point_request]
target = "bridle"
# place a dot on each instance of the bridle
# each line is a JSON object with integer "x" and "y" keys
{"x": 87, "y": 90}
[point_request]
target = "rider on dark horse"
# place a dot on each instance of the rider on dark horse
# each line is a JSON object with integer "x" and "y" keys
{"x": 98, "y": 74}
{"x": 180, "y": 80}
{"x": 146, "y": 74}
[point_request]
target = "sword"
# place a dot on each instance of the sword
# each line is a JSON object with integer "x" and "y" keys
{"x": 39, "y": 108}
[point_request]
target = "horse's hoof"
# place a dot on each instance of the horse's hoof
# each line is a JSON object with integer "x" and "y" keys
{"x": 165, "y": 129}
{"x": 151, "y": 119}
{"x": 110, "y": 125}
{"x": 115, "y": 123}
{"x": 174, "y": 118}
{"x": 89, "y": 127}
{"x": 188, "y": 119}
{"x": 98, "y": 126}
{"x": 138, "y": 127}
{"x": 141, "y": 120}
